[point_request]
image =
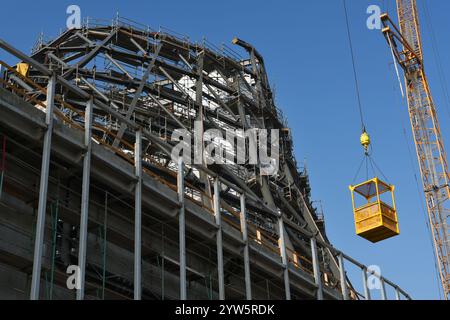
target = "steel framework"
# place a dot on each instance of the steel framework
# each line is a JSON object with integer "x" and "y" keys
{"x": 127, "y": 88}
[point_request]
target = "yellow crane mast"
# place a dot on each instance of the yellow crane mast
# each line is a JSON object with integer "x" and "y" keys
{"x": 406, "y": 46}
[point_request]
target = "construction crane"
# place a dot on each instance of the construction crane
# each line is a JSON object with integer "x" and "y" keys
{"x": 406, "y": 47}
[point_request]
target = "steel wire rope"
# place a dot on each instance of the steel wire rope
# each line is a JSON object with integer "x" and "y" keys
{"x": 355, "y": 76}
{"x": 367, "y": 155}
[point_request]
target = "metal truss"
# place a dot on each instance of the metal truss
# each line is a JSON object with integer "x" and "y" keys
{"x": 128, "y": 88}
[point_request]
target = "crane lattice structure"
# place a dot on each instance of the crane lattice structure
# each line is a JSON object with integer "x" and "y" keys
{"x": 425, "y": 127}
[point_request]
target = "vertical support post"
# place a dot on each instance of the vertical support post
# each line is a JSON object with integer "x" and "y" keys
{"x": 163, "y": 254}
{"x": 54, "y": 237}
{"x": 42, "y": 206}
{"x": 342, "y": 277}
{"x": 378, "y": 194}
{"x": 284, "y": 259}
{"x": 182, "y": 229}
{"x": 85, "y": 196}
{"x": 105, "y": 228}
{"x": 138, "y": 216}
{"x": 397, "y": 294}
{"x": 316, "y": 269}
{"x": 219, "y": 239}
{"x": 199, "y": 156}
{"x": 366, "y": 288}
{"x": 3, "y": 164}
{"x": 243, "y": 216}
{"x": 383, "y": 289}
{"x": 163, "y": 283}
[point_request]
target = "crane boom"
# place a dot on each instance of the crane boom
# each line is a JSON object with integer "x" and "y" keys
{"x": 425, "y": 128}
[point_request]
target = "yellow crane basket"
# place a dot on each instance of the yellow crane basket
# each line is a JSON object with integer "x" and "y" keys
{"x": 22, "y": 68}
{"x": 375, "y": 220}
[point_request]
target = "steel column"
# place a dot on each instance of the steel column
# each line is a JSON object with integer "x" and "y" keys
{"x": 284, "y": 259}
{"x": 383, "y": 289}
{"x": 397, "y": 294}
{"x": 316, "y": 269}
{"x": 42, "y": 206}
{"x": 366, "y": 288}
{"x": 243, "y": 216}
{"x": 219, "y": 239}
{"x": 85, "y": 196}
{"x": 344, "y": 289}
{"x": 138, "y": 216}
{"x": 182, "y": 229}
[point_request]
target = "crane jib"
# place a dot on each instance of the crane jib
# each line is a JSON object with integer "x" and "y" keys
{"x": 406, "y": 45}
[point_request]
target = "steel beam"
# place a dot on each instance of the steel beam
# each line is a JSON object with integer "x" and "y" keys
{"x": 85, "y": 197}
{"x": 199, "y": 156}
{"x": 138, "y": 216}
{"x": 243, "y": 216}
{"x": 182, "y": 90}
{"x": 316, "y": 269}
{"x": 342, "y": 277}
{"x": 284, "y": 259}
{"x": 118, "y": 65}
{"x": 138, "y": 46}
{"x": 136, "y": 97}
{"x": 146, "y": 133}
{"x": 182, "y": 229}
{"x": 85, "y": 60}
{"x": 42, "y": 206}
{"x": 219, "y": 239}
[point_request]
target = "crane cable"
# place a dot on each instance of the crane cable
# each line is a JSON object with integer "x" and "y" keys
{"x": 354, "y": 67}
{"x": 365, "y": 139}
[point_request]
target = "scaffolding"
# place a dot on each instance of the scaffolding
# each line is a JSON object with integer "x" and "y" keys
{"x": 89, "y": 164}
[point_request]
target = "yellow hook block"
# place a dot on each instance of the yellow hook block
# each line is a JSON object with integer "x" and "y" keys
{"x": 365, "y": 141}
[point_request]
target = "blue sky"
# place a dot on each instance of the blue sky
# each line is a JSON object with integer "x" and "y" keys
{"x": 306, "y": 52}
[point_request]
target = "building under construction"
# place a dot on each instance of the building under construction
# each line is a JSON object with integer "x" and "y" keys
{"x": 88, "y": 180}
